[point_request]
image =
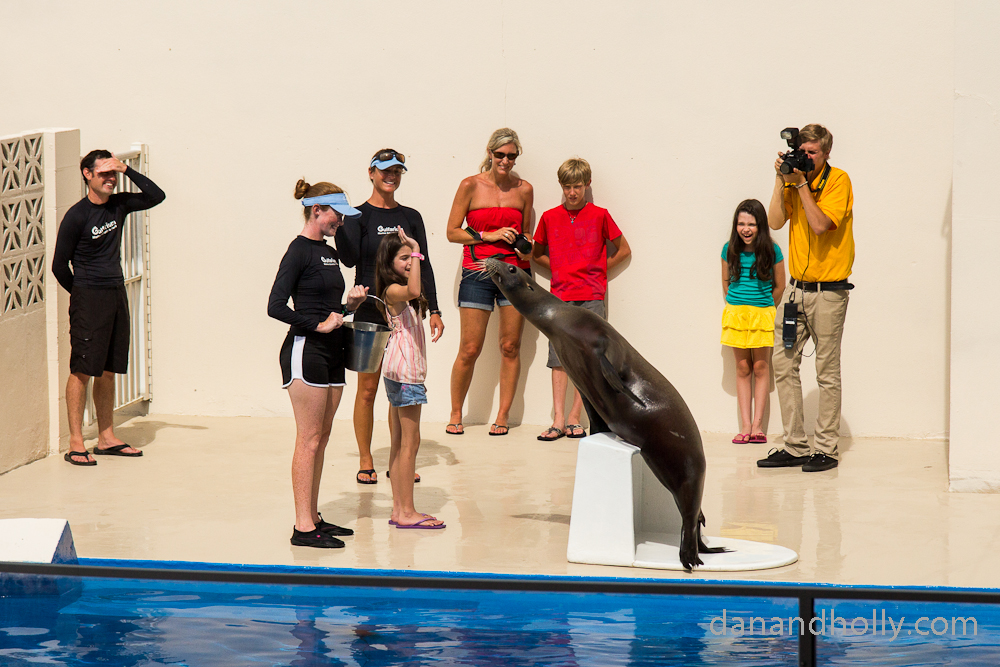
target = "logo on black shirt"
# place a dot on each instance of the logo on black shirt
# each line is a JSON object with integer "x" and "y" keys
{"x": 382, "y": 231}
{"x": 329, "y": 261}
{"x": 97, "y": 232}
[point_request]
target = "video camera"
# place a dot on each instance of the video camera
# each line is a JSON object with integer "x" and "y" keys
{"x": 795, "y": 158}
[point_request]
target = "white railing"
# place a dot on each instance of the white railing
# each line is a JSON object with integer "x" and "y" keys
{"x": 136, "y": 384}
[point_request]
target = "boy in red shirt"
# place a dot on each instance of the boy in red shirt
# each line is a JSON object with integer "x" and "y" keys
{"x": 575, "y": 236}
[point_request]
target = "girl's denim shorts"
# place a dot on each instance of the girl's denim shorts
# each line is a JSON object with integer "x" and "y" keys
{"x": 401, "y": 394}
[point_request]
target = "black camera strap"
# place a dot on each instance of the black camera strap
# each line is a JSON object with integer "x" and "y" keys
{"x": 822, "y": 181}
{"x": 472, "y": 246}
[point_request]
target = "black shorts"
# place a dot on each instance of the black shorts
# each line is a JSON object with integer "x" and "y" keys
{"x": 316, "y": 361}
{"x": 98, "y": 330}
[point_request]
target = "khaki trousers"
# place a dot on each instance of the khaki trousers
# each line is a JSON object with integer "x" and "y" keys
{"x": 821, "y": 318}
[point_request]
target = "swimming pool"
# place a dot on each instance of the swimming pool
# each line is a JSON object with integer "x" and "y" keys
{"x": 270, "y": 617}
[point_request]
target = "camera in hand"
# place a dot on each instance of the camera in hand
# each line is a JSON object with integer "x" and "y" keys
{"x": 795, "y": 158}
{"x": 522, "y": 244}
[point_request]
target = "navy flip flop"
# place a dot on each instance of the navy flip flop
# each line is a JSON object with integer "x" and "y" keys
{"x": 117, "y": 450}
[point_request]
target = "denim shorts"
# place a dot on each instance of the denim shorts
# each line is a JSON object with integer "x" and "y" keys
{"x": 592, "y": 306}
{"x": 402, "y": 395}
{"x": 478, "y": 291}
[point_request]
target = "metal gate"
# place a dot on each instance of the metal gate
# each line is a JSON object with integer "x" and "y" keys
{"x": 135, "y": 385}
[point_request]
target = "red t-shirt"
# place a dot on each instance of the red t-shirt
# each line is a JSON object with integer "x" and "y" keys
{"x": 577, "y": 250}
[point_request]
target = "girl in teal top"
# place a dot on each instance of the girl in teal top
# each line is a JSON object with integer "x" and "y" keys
{"x": 753, "y": 279}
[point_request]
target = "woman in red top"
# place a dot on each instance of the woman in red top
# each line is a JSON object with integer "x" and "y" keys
{"x": 496, "y": 204}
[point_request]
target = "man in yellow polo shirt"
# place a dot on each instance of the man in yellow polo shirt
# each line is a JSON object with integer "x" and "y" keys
{"x": 820, "y": 256}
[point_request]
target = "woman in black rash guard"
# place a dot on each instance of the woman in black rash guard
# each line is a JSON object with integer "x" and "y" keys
{"x": 357, "y": 243}
{"x": 312, "y": 356}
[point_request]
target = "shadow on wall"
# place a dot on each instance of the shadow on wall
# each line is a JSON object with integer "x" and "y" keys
{"x": 729, "y": 386}
{"x": 810, "y": 400}
{"x": 479, "y": 403}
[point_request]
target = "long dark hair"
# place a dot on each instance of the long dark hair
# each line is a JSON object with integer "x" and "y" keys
{"x": 385, "y": 276}
{"x": 762, "y": 246}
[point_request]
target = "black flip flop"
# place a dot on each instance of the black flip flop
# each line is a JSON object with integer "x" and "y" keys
{"x": 369, "y": 472}
{"x": 117, "y": 450}
{"x": 416, "y": 479}
{"x": 70, "y": 454}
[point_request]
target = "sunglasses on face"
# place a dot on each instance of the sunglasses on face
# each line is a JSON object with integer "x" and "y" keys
{"x": 500, "y": 155}
{"x": 386, "y": 155}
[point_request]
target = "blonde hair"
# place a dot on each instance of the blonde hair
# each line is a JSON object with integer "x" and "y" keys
{"x": 816, "y": 132}
{"x": 303, "y": 191}
{"x": 501, "y": 137}
{"x": 574, "y": 170}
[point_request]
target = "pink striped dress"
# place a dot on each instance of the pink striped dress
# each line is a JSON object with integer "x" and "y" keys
{"x": 405, "y": 357}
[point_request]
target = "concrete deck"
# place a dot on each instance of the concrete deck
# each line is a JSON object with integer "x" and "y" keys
{"x": 218, "y": 490}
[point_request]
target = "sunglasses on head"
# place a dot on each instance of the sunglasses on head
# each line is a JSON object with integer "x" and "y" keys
{"x": 500, "y": 155}
{"x": 388, "y": 154}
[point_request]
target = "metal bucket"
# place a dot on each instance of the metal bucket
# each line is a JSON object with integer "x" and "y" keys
{"x": 365, "y": 345}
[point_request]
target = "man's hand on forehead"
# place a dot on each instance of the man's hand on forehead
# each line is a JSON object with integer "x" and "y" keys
{"x": 108, "y": 165}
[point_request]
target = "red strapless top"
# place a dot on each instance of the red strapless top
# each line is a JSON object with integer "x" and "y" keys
{"x": 489, "y": 220}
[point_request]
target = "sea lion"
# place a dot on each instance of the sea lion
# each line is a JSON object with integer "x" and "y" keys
{"x": 623, "y": 394}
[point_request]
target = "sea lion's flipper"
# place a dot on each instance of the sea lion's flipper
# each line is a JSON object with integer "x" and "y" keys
{"x": 614, "y": 378}
{"x": 597, "y": 424}
{"x": 702, "y": 547}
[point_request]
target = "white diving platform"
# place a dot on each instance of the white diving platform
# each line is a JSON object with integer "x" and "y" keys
{"x": 623, "y": 515}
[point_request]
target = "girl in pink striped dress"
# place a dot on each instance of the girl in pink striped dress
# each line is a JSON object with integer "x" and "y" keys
{"x": 404, "y": 368}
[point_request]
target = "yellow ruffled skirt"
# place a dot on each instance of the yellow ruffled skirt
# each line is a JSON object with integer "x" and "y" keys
{"x": 748, "y": 326}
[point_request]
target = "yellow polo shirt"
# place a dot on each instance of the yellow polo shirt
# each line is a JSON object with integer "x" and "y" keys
{"x": 829, "y": 256}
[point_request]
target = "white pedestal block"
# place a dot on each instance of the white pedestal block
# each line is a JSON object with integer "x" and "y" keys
{"x": 622, "y": 515}
{"x": 36, "y": 541}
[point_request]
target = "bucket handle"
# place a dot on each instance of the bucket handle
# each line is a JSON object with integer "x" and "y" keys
{"x": 372, "y": 296}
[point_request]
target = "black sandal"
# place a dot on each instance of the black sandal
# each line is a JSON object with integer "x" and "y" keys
{"x": 371, "y": 476}
{"x": 85, "y": 454}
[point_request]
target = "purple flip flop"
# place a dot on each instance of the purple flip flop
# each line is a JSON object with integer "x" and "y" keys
{"x": 420, "y": 525}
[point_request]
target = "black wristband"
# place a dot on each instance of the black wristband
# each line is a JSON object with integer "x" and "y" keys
{"x": 436, "y": 312}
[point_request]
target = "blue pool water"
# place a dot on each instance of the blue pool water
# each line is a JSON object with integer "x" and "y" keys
{"x": 98, "y": 621}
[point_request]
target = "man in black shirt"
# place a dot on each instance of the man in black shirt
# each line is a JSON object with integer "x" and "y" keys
{"x": 89, "y": 238}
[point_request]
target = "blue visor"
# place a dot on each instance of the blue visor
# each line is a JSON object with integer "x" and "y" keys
{"x": 385, "y": 164}
{"x": 337, "y": 201}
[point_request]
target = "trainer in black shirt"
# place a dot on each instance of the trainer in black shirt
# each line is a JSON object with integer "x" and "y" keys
{"x": 357, "y": 243}
{"x": 89, "y": 240}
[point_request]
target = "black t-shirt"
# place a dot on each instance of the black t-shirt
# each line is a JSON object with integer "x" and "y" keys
{"x": 90, "y": 236}
{"x": 310, "y": 274}
{"x": 359, "y": 237}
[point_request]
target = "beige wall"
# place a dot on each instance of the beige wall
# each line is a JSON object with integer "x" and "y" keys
{"x": 29, "y": 304}
{"x": 974, "y": 460}
{"x": 24, "y": 411}
{"x": 676, "y": 105}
